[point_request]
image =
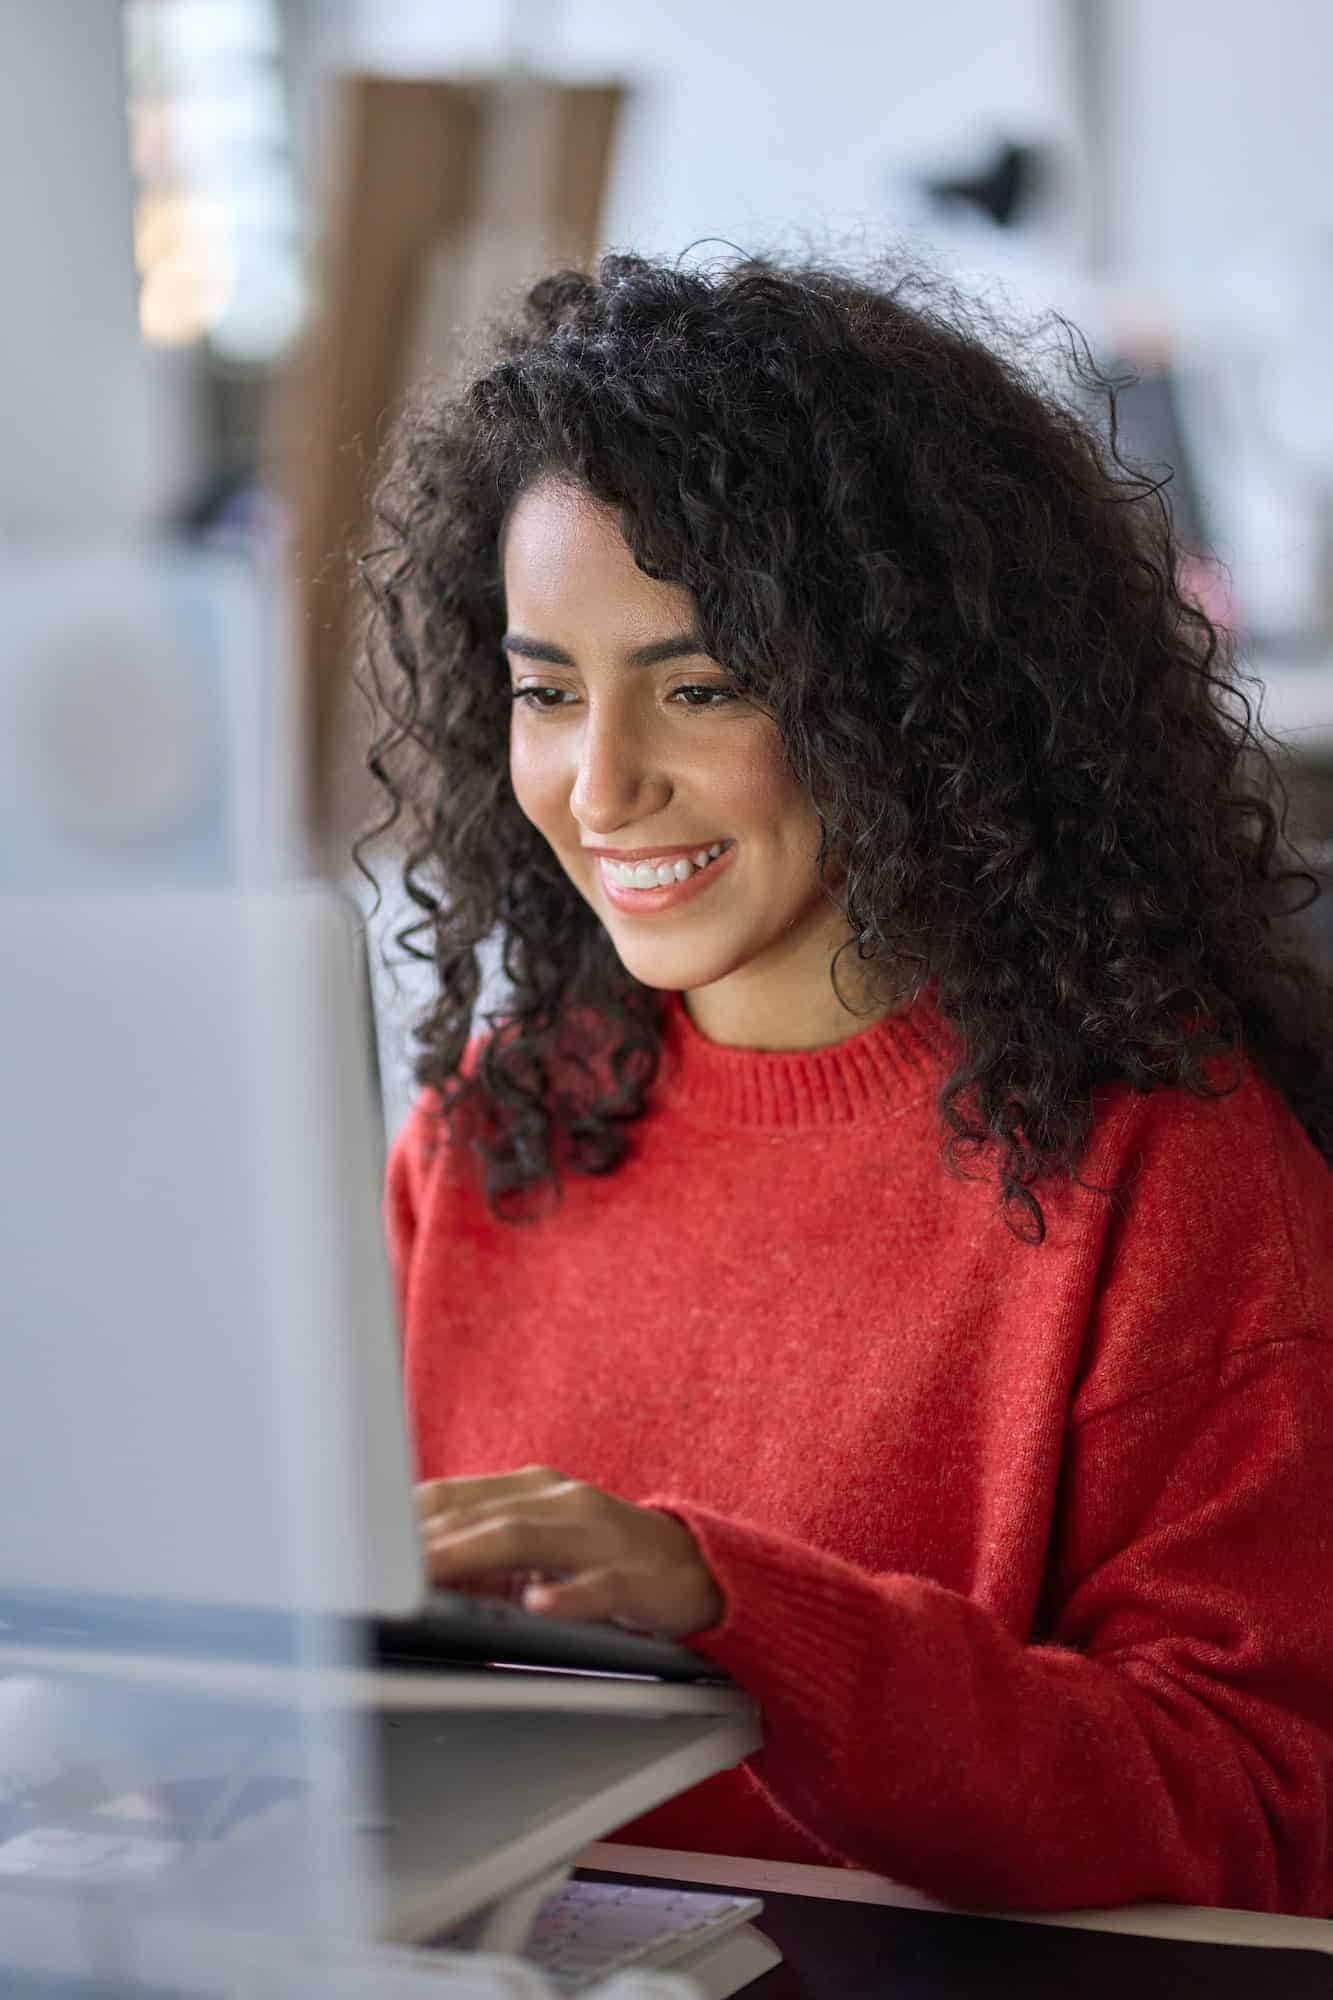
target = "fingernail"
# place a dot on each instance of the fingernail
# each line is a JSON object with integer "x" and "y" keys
{"x": 537, "y": 1597}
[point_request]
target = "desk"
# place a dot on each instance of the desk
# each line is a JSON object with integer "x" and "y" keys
{"x": 846, "y": 1935}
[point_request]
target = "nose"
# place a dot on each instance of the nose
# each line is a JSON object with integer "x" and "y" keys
{"x": 617, "y": 782}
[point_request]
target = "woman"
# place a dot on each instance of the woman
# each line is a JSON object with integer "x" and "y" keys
{"x": 893, "y": 1254}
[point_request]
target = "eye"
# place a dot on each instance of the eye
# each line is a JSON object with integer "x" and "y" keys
{"x": 527, "y": 695}
{"x": 709, "y": 697}
{"x": 715, "y": 696}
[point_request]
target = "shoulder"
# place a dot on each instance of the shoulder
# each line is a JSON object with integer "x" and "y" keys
{"x": 422, "y": 1140}
{"x": 1213, "y": 1154}
{"x": 1219, "y": 1236}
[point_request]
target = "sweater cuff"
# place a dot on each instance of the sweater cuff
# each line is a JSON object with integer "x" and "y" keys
{"x": 793, "y": 1617}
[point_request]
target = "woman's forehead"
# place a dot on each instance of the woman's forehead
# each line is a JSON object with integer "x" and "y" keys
{"x": 564, "y": 556}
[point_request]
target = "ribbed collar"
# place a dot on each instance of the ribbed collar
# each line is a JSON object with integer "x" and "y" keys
{"x": 870, "y": 1075}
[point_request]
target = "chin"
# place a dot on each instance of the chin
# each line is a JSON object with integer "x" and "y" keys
{"x": 675, "y": 972}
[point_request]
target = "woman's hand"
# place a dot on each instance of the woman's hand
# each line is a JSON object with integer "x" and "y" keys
{"x": 598, "y": 1557}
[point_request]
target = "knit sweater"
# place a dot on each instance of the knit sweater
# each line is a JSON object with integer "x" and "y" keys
{"x": 1026, "y": 1551}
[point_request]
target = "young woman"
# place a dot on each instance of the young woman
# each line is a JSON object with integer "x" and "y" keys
{"x": 885, "y": 1241}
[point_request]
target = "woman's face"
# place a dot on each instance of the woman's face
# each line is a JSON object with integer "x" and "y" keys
{"x": 655, "y": 759}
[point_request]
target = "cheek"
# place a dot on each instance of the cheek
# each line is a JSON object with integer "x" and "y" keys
{"x": 536, "y": 781}
{"x": 766, "y": 792}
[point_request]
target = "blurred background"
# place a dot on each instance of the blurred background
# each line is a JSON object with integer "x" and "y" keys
{"x": 237, "y": 230}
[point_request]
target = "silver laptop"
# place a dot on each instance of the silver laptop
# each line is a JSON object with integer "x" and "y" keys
{"x": 202, "y": 1438}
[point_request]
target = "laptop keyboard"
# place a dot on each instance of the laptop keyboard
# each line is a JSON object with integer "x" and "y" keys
{"x": 588, "y": 1931}
{"x": 458, "y": 1626}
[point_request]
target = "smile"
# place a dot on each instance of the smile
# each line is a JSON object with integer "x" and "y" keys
{"x": 660, "y": 874}
{"x": 644, "y": 887}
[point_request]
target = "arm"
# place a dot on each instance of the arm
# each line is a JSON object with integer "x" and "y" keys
{"x": 399, "y": 1219}
{"x": 404, "y": 1178}
{"x": 1173, "y": 1740}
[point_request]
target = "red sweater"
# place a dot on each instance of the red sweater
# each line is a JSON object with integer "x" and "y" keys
{"x": 1027, "y": 1553}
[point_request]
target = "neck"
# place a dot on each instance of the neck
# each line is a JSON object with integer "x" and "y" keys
{"x": 810, "y": 1017}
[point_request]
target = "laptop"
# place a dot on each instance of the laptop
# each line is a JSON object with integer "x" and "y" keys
{"x": 201, "y": 1414}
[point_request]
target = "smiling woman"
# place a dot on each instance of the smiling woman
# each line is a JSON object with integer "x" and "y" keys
{"x": 917, "y": 1113}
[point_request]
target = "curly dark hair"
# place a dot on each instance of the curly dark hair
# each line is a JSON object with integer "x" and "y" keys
{"x": 932, "y": 567}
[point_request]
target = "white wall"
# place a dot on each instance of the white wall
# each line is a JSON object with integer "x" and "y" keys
{"x": 1225, "y": 141}
{"x": 1221, "y": 201}
{"x": 96, "y": 432}
{"x": 760, "y": 119}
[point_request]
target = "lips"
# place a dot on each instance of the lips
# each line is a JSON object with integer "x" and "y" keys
{"x": 626, "y": 874}
{"x": 634, "y": 855}
{"x": 667, "y": 896}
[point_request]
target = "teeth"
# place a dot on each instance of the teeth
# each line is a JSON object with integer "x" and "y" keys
{"x": 659, "y": 874}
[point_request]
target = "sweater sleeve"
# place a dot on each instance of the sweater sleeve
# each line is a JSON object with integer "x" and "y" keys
{"x": 408, "y": 1178}
{"x": 1172, "y": 1741}
{"x": 403, "y": 1177}
{"x": 1164, "y": 1732}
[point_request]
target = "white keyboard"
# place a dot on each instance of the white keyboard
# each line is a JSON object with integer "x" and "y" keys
{"x": 589, "y": 1931}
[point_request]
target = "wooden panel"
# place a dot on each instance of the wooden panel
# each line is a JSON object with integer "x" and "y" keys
{"x": 446, "y": 195}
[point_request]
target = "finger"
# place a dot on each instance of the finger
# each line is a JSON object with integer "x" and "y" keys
{"x": 436, "y": 1496}
{"x": 507, "y": 1541}
{"x": 455, "y": 1514}
{"x": 506, "y": 1583}
{"x": 461, "y": 1518}
{"x": 592, "y": 1593}
{"x": 447, "y": 1496}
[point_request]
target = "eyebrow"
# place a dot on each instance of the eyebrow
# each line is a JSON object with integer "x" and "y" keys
{"x": 683, "y": 646}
